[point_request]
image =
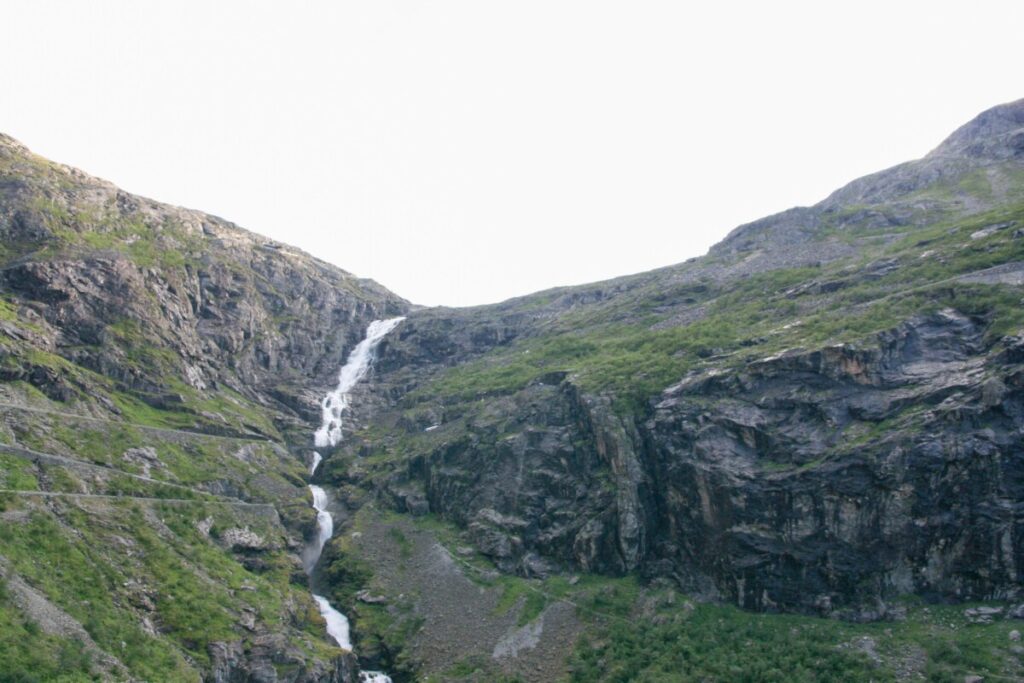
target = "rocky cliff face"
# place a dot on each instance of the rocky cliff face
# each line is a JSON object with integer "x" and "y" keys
{"x": 164, "y": 300}
{"x": 822, "y": 415}
{"x": 824, "y": 480}
{"x": 832, "y": 479}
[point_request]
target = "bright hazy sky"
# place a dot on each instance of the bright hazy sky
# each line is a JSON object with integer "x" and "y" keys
{"x": 463, "y": 152}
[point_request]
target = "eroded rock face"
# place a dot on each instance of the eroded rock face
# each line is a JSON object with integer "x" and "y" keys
{"x": 926, "y": 506}
{"x": 821, "y": 480}
{"x": 248, "y": 327}
{"x": 231, "y": 663}
{"x": 529, "y": 478}
{"x": 243, "y": 539}
{"x": 153, "y": 296}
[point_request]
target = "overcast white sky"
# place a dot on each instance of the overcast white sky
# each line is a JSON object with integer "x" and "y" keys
{"x": 463, "y": 152}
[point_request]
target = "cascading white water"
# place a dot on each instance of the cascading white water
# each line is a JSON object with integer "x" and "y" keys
{"x": 337, "y": 623}
{"x": 329, "y": 434}
{"x": 355, "y": 368}
{"x": 324, "y": 522}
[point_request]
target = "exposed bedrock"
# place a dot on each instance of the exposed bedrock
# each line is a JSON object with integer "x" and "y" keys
{"x": 823, "y": 481}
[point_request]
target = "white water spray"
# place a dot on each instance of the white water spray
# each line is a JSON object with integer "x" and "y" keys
{"x": 355, "y": 368}
{"x": 329, "y": 434}
{"x": 337, "y": 623}
{"x": 324, "y": 523}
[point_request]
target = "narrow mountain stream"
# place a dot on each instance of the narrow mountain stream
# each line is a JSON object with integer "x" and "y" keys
{"x": 329, "y": 435}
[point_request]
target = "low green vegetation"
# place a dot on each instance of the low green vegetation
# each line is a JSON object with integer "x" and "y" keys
{"x": 107, "y": 229}
{"x": 16, "y": 474}
{"x": 8, "y": 310}
{"x": 257, "y": 470}
{"x": 713, "y": 643}
{"x": 516, "y": 593}
{"x": 72, "y": 575}
{"x": 106, "y": 562}
{"x": 680, "y": 640}
{"x": 30, "y": 655}
{"x": 624, "y": 350}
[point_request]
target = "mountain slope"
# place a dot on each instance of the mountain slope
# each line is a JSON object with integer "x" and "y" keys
{"x": 821, "y": 416}
{"x": 164, "y": 300}
{"x": 161, "y": 369}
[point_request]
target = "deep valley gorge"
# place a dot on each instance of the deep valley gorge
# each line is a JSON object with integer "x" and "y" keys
{"x": 799, "y": 457}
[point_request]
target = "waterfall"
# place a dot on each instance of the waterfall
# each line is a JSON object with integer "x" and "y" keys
{"x": 324, "y": 522}
{"x": 358, "y": 364}
{"x": 328, "y": 435}
{"x": 317, "y": 459}
{"x": 337, "y": 623}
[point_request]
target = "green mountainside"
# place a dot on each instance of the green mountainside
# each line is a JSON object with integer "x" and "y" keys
{"x": 799, "y": 457}
{"x": 160, "y": 371}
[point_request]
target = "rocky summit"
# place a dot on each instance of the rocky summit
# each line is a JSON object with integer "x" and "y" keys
{"x": 797, "y": 458}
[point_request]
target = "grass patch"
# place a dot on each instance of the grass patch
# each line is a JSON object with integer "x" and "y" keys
{"x": 675, "y": 640}
{"x": 620, "y": 350}
{"x": 195, "y": 587}
{"x": 17, "y": 474}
